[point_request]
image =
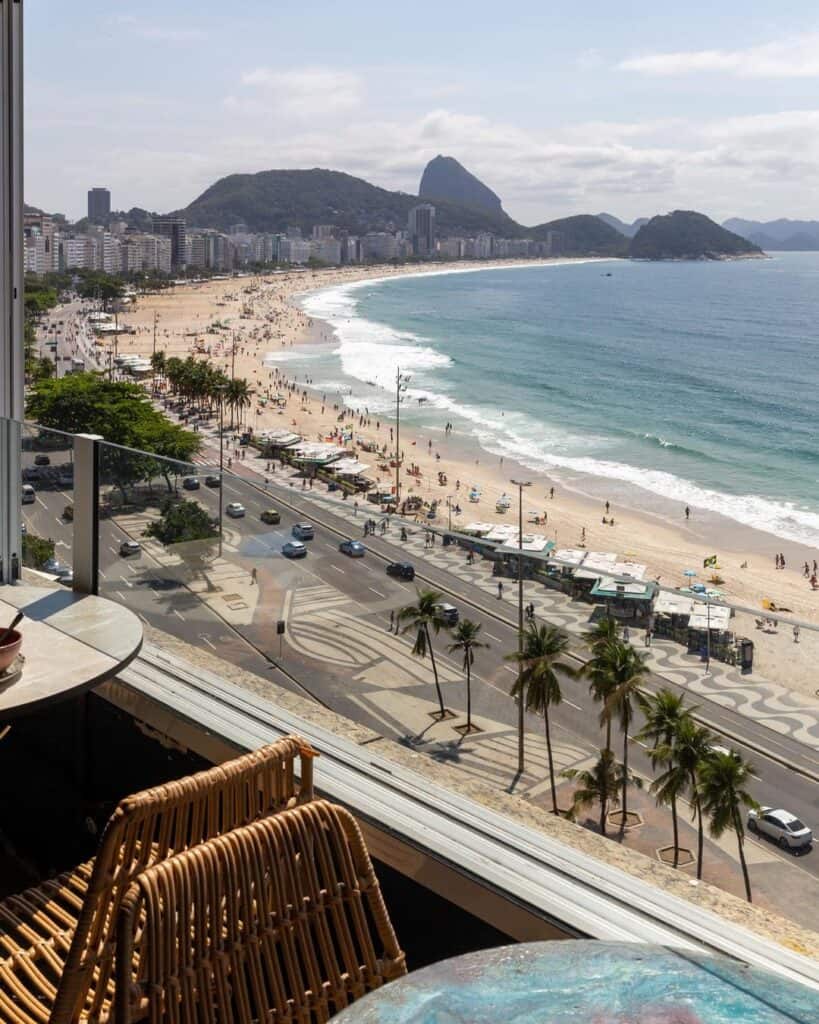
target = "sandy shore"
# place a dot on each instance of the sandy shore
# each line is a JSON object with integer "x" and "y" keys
{"x": 237, "y": 322}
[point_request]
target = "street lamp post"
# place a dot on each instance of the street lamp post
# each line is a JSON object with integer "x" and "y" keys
{"x": 401, "y": 384}
{"x": 449, "y": 506}
{"x": 220, "y": 389}
{"x": 156, "y": 317}
{"x": 520, "y": 484}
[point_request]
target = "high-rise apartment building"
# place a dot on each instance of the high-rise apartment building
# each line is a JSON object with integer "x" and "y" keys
{"x": 99, "y": 204}
{"x": 421, "y": 228}
{"x": 173, "y": 228}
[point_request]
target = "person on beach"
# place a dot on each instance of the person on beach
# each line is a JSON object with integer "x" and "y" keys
{"x": 796, "y": 634}
{"x": 607, "y": 508}
{"x": 806, "y": 571}
{"x": 551, "y": 493}
{"x": 781, "y": 561}
{"x": 253, "y": 573}
{"x": 687, "y": 512}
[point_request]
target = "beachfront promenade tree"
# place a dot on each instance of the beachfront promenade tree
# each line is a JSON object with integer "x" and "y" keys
{"x": 600, "y": 784}
{"x": 237, "y": 397}
{"x": 723, "y": 781}
{"x": 627, "y": 670}
{"x": 425, "y": 618}
{"x": 537, "y": 684}
{"x": 598, "y": 669}
{"x": 691, "y": 750}
{"x": 663, "y": 712}
{"x": 465, "y": 641}
{"x": 159, "y": 364}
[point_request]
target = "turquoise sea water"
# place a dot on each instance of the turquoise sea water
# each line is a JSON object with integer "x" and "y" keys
{"x": 696, "y": 382}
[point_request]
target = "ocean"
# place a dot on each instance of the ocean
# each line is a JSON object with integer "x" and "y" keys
{"x": 675, "y": 383}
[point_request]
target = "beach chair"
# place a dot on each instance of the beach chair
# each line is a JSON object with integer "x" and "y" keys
{"x": 280, "y": 921}
{"x": 57, "y": 939}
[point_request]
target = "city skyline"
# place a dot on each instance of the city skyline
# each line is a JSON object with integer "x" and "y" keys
{"x": 633, "y": 115}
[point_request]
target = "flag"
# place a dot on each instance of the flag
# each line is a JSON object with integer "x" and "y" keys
{"x": 710, "y": 563}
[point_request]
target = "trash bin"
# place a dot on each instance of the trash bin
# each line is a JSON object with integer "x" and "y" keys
{"x": 448, "y": 539}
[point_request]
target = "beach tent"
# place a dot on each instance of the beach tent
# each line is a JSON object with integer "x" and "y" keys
{"x": 318, "y": 453}
{"x": 634, "y": 569}
{"x": 349, "y": 467}
{"x": 570, "y": 556}
{"x": 532, "y": 543}
{"x": 716, "y": 615}
{"x": 671, "y": 603}
{"x": 602, "y": 560}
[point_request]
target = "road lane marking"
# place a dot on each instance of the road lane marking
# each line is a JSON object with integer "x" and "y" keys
{"x": 338, "y": 568}
{"x": 179, "y": 614}
{"x": 127, "y": 582}
{"x": 203, "y": 637}
{"x": 376, "y": 591}
{"x": 102, "y": 574}
{"x": 575, "y": 706}
{"x": 492, "y": 636}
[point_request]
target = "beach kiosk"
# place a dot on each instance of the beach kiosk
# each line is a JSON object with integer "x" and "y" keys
{"x": 626, "y": 598}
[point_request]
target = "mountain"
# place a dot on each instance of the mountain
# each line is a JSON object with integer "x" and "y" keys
{"x": 782, "y": 234}
{"x": 583, "y": 235}
{"x": 685, "y": 234}
{"x": 273, "y": 200}
{"x": 444, "y": 178}
{"x": 629, "y": 230}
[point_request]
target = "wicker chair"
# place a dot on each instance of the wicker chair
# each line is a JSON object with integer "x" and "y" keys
{"x": 280, "y": 921}
{"x": 57, "y": 939}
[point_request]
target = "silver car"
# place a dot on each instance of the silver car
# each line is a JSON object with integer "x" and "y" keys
{"x": 781, "y": 826}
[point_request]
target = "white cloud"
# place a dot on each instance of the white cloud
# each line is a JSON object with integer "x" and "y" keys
{"x": 796, "y": 57}
{"x": 307, "y": 92}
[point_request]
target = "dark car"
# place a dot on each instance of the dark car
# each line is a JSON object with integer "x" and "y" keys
{"x": 353, "y": 548}
{"x": 31, "y": 473}
{"x": 213, "y": 481}
{"x": 401, "y": 570}
{"x": 42, "y": 460}
{"x": 449, "y": 613}
{"x": 191, "y": 483}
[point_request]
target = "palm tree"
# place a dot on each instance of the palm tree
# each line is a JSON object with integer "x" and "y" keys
{"x": 601, "y": 682}
{"x": 537, "y": 684}
{"x": 420, "y": 617}
{"x": 692, "y": 748}
{"x": 158, "y": 364}
{"x": 722, "y": 782}
{"x": 602, "y": 632}
{"x": 627, "y": 669}
{"x": 663, "y": 712}
{"x": 465, "y": 640}
{"x": 237, "y": 397}
{"x": 600, "y": 785}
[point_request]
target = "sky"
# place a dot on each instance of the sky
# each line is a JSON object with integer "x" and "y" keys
{"x": 632, "y": 108}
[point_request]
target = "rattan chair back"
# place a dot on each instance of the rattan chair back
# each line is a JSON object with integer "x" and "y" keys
{"x": 149, "y": 827}
{"x": 281, "y": 921}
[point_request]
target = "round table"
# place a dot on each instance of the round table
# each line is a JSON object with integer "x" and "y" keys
{"x": 586, "y": 982}
{"x": 71, "y": 643}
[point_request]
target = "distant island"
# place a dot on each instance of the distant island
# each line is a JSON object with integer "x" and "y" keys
{"x": 687, "y": 235}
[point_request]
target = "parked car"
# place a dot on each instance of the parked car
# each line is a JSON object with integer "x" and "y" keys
{"x": 42, "y": 460}
{"x": 56, "y": 567}
{"x": 353, "y": 548}
{"x": 294, "y": 549}
{"x": 235, "y": 510}
{"x": 781, "y": 826}
{"x": 130, "y": 547}
{"x": 213, "y": 481}
{"x": 401, "y": 570}
{"x": 31, "y": 473}
{"x": 304, "y": 531}
{"x": 449, "y": 613}
{"x": 191, "y": 483}
{"x": 271, "y": 516}
{"x": 65, "y": 480}
{"x": 27, "y": 495}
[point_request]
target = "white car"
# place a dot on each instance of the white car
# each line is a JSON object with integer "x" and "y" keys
{"x": 235, "y": 510}
{"x": 781, "y": 826}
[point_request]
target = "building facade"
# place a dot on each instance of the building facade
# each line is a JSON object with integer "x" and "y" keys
{"x": 421, "y": 229}
{"x": 99, "y": 205}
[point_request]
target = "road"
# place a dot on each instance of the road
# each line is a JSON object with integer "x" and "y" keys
{"x": 338, "y": 648}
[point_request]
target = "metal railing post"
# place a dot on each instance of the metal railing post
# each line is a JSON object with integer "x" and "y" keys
{"x": 12, "y": 368}
{"x": 86, "y": 543}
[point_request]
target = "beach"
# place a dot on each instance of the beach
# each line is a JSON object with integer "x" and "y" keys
{"x": 239, "y": 323}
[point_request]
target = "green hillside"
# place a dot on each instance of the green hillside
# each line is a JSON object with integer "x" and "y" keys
{"x": 584, "y": 235}
{"x": 685, "y": 234}
{"x": 272, "y": 200}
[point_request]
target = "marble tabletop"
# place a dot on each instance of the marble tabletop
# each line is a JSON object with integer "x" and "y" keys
{"x": 586, "y": 982}
{"x": 71, "y": 643}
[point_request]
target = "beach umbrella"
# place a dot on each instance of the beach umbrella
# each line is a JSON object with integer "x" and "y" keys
{"x": 690, "y": 573}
